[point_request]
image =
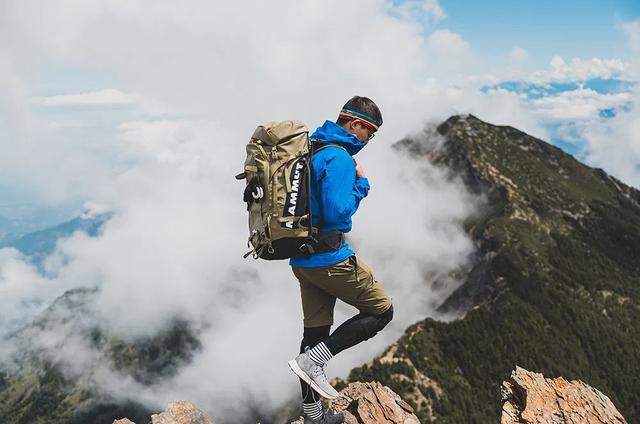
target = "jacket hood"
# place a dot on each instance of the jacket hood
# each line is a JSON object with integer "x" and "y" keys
{"x": 330, "y": 132}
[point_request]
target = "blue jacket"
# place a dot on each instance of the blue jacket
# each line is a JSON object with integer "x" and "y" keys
{"x": 336, "y": 192}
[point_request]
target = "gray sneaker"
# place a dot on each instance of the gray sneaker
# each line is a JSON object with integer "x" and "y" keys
{"x": 313, "y": 375}
{"x": 327, "y": 418}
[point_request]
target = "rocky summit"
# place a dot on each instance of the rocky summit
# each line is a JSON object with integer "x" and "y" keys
{"x": 180, "y": 412}
{"x": 554, "y": 287}
{"x": 529, "y": 398}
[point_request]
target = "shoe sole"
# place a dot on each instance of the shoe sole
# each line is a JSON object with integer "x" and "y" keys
{"x": 305, "y": 377}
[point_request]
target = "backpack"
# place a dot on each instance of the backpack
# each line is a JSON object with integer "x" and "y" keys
{"x": 277, "y": 171}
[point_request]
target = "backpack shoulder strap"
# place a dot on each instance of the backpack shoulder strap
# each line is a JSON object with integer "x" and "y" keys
{"x": 317, "y": 146}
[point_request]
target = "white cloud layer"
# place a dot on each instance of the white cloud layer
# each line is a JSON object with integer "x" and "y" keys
{"x": 518, "y": 55}
{"x": 580, "y": 70}
{"x": 174, "y": 248}
{"x": 579, "y": 104}
{"x": 108, "y": 97}
{"x": 614, "y": 144}
{"x": 632, "y": 31}
{"x": 448, "y": 51}
{"x": 205, "y": 74}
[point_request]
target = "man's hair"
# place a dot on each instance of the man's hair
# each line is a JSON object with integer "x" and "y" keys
{"x": 361, "y": 105}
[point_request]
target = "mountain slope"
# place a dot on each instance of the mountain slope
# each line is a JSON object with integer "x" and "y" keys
{"x": 38, "y": 392}
{"x": 555, "y": 288}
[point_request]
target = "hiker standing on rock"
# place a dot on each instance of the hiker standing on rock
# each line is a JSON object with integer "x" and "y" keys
{"x": 338, "y": 185}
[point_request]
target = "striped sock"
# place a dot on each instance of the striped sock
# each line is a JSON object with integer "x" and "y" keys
{"x": 312, "y": 410}
{"x": 320, "y": 354}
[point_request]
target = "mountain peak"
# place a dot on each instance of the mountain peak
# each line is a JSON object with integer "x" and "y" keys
{"x": 540, "y": 183}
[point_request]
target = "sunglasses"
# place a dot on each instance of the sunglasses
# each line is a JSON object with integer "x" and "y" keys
{"x": 370, "y": 128}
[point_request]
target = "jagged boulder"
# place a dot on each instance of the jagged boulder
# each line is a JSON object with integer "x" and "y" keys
{"x": 371, "y": 403}
{"x": 529, "y": 398}
{"x": 180, "y": 412}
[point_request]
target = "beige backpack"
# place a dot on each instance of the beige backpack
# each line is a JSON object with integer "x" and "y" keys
{"x": 277, "y": 171}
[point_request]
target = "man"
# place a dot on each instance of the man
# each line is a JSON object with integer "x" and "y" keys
{"x": 338, "y": 185}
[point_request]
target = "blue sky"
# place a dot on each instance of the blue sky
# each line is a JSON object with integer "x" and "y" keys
{"x": 576, "y": 28}
{"x": 564, "y": 48}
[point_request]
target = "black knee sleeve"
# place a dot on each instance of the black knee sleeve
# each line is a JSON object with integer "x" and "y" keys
{"x": 371, "y": 325}
{"x": 386, "y": 317}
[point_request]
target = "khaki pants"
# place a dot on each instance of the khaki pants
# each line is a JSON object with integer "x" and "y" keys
{"x": 350, "y": 281}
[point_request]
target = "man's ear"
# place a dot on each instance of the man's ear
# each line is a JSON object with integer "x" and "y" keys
{"x": 349, "y": 126}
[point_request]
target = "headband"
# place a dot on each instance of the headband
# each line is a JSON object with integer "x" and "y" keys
{"x": 352, "y": 114}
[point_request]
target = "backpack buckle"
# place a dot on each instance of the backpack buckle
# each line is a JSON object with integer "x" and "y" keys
{"x": 306, "y": 250}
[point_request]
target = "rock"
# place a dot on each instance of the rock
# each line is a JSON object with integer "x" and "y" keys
{"x": 180, "y": 412}
{"x": 371, "y": 403}
{"x": 529, "y": 398}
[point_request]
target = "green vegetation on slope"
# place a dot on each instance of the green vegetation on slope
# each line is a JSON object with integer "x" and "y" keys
{"x": 567, "y": 251}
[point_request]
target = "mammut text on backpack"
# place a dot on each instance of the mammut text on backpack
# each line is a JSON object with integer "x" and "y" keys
{"x": 295, "y": 204}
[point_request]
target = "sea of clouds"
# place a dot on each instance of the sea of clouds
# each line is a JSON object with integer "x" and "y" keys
{"x": 161, "y": 98}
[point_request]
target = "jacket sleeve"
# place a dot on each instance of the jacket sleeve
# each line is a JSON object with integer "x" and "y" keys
{"x": 341, "y": 190}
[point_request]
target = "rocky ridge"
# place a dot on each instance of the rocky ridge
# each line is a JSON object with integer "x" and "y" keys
{"x": 528, "y": 398}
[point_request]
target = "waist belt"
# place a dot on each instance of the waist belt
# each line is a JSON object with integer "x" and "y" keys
{"x": 331, "y": 241}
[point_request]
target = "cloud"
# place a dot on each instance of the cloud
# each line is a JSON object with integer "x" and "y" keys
{"x": 518, "y": 56}
{"x": 102, "y": 98}
{"x": 427, "y": 12}
{"x": 447, "y": 44}
{"x": 449, "y": 56}
{"x": 574, "y": 104}
{"x": 204, "y": 76}
{"x": 632, "y": 30}
{"x": 24, "y": 292}
{"x": 614, "y": 144}
{"x": 579, "y": 104}
{"x": 174, "y": 248}
{"x": 180, "y": 63}
{"x": 580, "y": 70}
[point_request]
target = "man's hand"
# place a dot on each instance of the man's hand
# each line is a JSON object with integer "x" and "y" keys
{"x": 359, "y": 171}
